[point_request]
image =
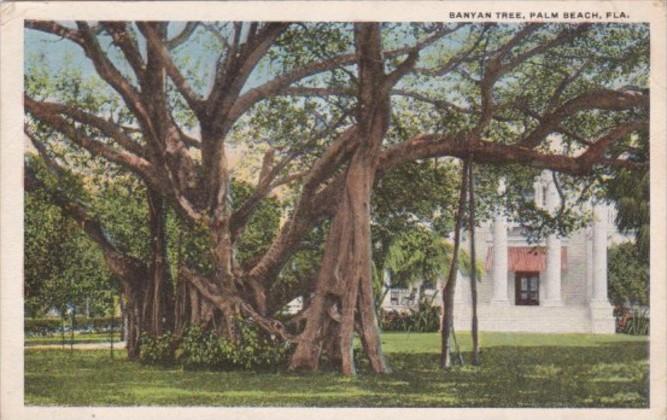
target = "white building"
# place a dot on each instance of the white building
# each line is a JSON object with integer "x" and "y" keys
{"x": 559, "y": 285}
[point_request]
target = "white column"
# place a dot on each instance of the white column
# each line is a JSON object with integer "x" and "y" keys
{"x": 599, "y": 254}
{"x": 552, "y": 287}
{"x": 499, "y": 269}
{"x": 500, "y": 260}
{"x": 602, "y": 313}
{"x": 462, "y": 289}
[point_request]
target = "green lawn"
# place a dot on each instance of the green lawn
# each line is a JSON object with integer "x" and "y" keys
{"x": 518, "y": 370}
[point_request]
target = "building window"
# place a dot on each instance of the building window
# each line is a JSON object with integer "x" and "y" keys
{"x": 527, "y": 288}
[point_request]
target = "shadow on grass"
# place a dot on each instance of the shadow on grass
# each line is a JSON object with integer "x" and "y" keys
{"x": 610, "y": 374}
{"x": 603, "y": 375}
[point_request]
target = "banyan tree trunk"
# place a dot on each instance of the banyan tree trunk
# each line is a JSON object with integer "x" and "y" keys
{"x": 133, "y": 300}
{"x": 343, "y": 300}
{"x": 344, "y": 296}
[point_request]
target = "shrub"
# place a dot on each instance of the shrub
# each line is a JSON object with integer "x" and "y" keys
{"x": 157, "y": 350}
{"x": 426, "y": 318}
{"x": 46, "y": 326}
{"x": 633, "y": 322}
{"x": 42, "y": 326}
{"x": 200, "y": 349}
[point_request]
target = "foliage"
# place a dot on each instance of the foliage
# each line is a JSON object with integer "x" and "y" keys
{"x": 46, "y": 326}
{"x": 294, "y": 279}
{"x": 156, "y": 350}
{"x": 518, "y": 370}
{"x": 262, "y": 226}
{"x": 189, "y": 244}
{"x": 628, "y": 272}
{"x": 426, "y": 318}
{"x": 631, "y": 191}
{"x": 202, "y": 349}
{"x": 634, "y": 322}
{"x": 421, "y": 255}
{"x": 417, "y": 195}
{"x": 61, "y": 264}
{"x": 120, "y": 203}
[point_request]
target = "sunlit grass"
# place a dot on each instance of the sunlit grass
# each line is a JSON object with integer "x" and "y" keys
{"x": 518, "y": 370}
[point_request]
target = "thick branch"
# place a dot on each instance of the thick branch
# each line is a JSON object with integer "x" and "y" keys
{"x": 108, "y": 128}
{"x": 277, "y": 85}
{"x": 427, "y": 146}
{"x": 237, "y": 69}
{"x": 496, "y": 67}
{"x": 128, "y": 45}
{"x": 602, "y": 99}
{"x": 309, "y": 208}
{"x": 223, "y": 301}
{"x": 597, "y": 149}
{"x": 195, "y": 102}
{"x": 183, "y": 36}
{"x": 54, "y": 28}
{"x": 392, "y": 78}
{"x": 107, "y": 71}
{"x": 44, "y": 113}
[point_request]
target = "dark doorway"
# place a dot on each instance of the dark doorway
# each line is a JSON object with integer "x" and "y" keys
{"x": 527, "y": 288}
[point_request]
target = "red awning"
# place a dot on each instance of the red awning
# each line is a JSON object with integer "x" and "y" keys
{"x": 526, "y": 258}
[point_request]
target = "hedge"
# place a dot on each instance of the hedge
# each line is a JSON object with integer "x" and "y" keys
{"x": 425, "y": 319}
{"x": 45, "y": 326}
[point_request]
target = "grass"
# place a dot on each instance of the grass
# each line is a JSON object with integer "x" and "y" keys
{"x": 518, "y": 370}
{"x": 79, "y": 338}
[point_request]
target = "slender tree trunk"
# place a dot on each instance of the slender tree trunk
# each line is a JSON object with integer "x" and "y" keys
{"x": 113, "y": 312}
{"x": 181, "y": 307}
{"x": 123, "y": 316}
{"x": 71, "y": 336}
{"x": 62, "y": 330}
{"x": 473, "y": 269}
{"x": 450, "y": 285}
{"x": 181, "y": 295}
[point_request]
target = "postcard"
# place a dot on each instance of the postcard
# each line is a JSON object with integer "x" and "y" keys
{"x": 370, "y": 209}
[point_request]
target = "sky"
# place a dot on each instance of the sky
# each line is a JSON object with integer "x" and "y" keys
{"x": 56, "y": 51}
